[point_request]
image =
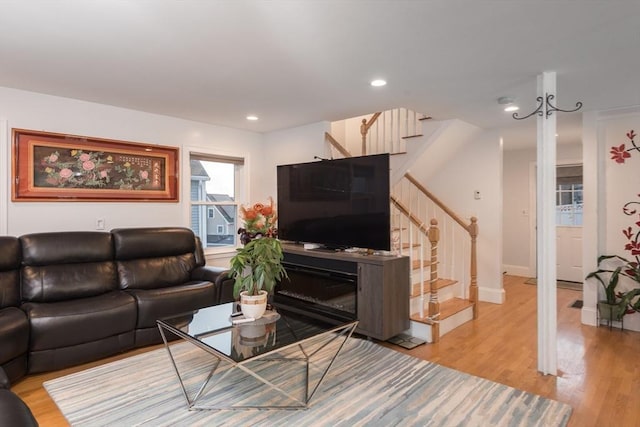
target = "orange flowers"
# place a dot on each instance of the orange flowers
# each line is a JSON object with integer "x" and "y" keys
{"x": 259, "y": 219}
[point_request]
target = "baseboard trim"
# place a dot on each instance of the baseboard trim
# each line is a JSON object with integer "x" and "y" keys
{"x": 496, "y": 296}
{"x": 517, "y": 270}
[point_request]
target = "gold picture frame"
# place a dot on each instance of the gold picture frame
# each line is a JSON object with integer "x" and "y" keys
{"x": 57, "y": 167}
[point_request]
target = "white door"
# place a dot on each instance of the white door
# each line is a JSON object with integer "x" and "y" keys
{"x": 569, "y": 223}
{"x": 569, "y": 253}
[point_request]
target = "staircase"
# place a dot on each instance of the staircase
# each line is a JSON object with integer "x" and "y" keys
{"x": 444, "y": 289}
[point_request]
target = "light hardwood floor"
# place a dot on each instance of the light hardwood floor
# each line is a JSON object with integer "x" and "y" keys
{"x": 599, "y": 373}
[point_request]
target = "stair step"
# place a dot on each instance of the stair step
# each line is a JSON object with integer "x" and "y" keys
{"x": 440, "y": 283}
{"x": 407, "y": 246}
{"x": 415, "y": 264}
{"x": 447, "y": 309}
{"x": 412, "y": 136}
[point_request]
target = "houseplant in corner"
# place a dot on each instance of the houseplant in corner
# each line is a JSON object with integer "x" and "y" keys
{"x": 617, "y": 303}
{"x": 257, "y": 266}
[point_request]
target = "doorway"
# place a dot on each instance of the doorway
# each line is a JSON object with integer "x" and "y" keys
{"x": 569, "y": 209}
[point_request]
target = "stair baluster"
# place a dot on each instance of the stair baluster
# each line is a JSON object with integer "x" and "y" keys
{"x": 434, "y": 304}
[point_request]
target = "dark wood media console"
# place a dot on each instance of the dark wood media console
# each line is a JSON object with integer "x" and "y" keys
{"x": 382, "y": 285}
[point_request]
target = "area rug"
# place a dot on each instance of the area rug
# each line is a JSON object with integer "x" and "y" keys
{"x": 368, "y": 385}
{"x": 562, "y": 284}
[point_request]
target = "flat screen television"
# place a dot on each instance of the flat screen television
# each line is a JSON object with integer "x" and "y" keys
{"x": 340, "y": 203}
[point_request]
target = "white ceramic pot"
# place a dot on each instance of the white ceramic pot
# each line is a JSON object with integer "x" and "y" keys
{"x": 253, "y": 305}
{"x": 253, "y": 335}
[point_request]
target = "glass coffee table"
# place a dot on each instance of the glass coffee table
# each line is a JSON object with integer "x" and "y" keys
{"x": 277, "y": 361}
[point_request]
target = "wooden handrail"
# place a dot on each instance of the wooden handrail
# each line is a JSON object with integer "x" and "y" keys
{"x": 414, "y": 219}
{"x": 471, "y": 228}
{"x": 336, "y": 145}
{"x": 364, "y": 129}
{"x": 437, "y": 201}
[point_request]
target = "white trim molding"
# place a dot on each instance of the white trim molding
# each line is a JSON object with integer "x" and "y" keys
{"x": 5, "y": 180}
{"x": 496, "y": 296}
{"x": 518, "y": 270}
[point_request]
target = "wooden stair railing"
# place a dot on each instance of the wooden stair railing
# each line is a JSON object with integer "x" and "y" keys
{"x": 471, "y": 229}
{"x": 385, "y": 132}
{"x": 335, "y": 144}
{"x": 364, "y": 130}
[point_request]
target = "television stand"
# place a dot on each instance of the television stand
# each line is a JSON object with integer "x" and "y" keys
{"x": 382, "y": 286}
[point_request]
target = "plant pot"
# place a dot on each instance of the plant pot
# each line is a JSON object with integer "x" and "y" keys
{"x": 253, "y": 335}
{"x": 609, "y": 312}
{"x": 253, "y": 305}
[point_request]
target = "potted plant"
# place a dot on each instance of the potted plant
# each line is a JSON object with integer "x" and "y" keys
{"x": 616, "y": 303}
{"x": 257, "y": 266}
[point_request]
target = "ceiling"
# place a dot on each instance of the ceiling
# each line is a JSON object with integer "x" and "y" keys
{"x": 298, "y": 62}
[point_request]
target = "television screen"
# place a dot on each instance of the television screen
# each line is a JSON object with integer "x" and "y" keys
{"x": 338, "y": 203}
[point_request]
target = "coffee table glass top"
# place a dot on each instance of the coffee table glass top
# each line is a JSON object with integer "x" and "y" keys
{"x": 212, "y": 326}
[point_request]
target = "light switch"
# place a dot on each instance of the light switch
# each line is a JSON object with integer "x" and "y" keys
{"x": 99, "y": 223}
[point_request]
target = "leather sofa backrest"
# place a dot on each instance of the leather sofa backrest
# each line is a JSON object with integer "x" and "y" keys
{"x": 157, "y": 257}
{"x": 10, "y": 259}
{"x": 67, "y": 265}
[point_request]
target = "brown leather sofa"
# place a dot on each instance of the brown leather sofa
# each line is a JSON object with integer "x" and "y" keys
{"x": 13, "y": 411}
{"x": 71, "y": 297}
{"x": 14, "y": 325}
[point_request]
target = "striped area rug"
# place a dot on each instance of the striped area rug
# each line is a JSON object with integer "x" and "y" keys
{"x": 368, "y": 385}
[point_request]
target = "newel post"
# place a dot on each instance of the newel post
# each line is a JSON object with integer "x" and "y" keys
{"x": 473, "y": 288}
{"x": 434, "y": 304}
{"x": 363, "y": 131}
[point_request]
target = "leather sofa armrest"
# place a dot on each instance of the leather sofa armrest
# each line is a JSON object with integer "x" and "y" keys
{"x": 210, "y": 274}
{"x": 4, "y": 380}
{"x": 219, "y": 276}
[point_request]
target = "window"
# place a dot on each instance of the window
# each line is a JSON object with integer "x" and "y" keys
{"x": 214, "y": 209}
{"x": 569, "y": 195}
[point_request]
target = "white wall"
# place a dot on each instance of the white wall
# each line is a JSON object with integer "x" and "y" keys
{"x": 517, "y": 208}
{"x": 27, "y": 110}
{"x": 619, "y": 184}
{"x": 478, "y": 166}
{"x": 297, "y": 145}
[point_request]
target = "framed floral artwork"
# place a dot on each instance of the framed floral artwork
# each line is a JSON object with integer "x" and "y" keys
{"x": 58, "y": 167}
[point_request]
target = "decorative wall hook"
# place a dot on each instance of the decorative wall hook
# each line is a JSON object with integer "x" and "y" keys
{"x": 549, "y": 110}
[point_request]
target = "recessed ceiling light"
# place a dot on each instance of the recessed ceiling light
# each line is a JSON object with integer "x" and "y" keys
{"x": 509, "y": 104}
{"x": 252, "y": 118}
{"x": 378, "y": 82}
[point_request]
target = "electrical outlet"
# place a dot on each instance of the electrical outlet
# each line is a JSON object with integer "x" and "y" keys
{"x": 99, "y": 223}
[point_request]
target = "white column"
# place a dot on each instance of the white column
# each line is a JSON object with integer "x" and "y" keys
{"x": 546, "y": 229}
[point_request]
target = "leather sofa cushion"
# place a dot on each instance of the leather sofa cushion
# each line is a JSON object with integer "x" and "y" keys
{"x": 10, "y": 253}
{"x": 10, "y": 259}
{"x": 152, "y": 273}
{"x": 153, "y": 242}
{"x": 9, "y": 288}
{"x": 156, "y": 304}
{"x": 14, "y": 333}
{"x": 68, "y": 323}
{"x": 62, "y": 282}
{"x": 66, "y": 265}
{"x": 66, "y": 247}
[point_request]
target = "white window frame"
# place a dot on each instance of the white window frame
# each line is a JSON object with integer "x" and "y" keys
{"x": 240, "y": 184}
